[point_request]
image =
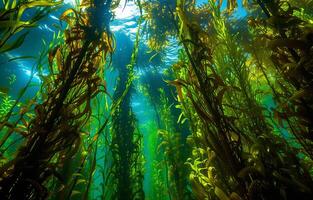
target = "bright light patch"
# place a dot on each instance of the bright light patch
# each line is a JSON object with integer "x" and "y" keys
{"x": 73, "y": 2}
{"x": 126, "y": 12}
{"x": 121, "y": 12}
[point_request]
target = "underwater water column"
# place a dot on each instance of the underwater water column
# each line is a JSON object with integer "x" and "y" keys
{"x": 170, "y": 178}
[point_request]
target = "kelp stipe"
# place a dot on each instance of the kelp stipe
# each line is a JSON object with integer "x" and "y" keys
{"x": 126, "y": 169}
{"x": 56, "y": 125}
{"x": 126, "y": 145}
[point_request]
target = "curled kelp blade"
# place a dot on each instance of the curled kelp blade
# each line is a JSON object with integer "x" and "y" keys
{"x": 11, "y": 21}
{"x": 231, "y": 5}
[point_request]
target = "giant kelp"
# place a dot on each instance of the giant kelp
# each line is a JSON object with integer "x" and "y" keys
{"x": 125, "y": 173}
{"x": 291, "y": 44}
{"x": 171, "y": 150}
{"x": 227, "y": 141}
{"x": 126, "y": 146}
{"x": 56, "y": 125}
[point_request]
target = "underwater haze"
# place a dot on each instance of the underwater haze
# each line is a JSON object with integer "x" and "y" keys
{"x": 156, "y": 99}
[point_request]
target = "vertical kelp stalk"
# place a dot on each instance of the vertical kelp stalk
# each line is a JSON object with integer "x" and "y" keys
{"x": 169, "y": 171}
{"x": 126, "y": 140}
{"x": 125, "y": 146}
{"x": 58, "y": 120}
{"x": 172, "y": 150}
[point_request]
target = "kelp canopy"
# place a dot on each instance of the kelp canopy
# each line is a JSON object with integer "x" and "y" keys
{"x": 156, "y": 99}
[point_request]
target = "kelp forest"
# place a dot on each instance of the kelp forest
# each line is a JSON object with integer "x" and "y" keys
{"x": 156, "y": 99}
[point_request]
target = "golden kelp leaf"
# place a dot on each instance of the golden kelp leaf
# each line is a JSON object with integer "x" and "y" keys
{"x": 178, "y": 84}
{"x": 65, "y": 15}
{"x": 234, "y": 196}
{"x": 81, "y": 181}
{"x": 75, "y": 192}
{"x": 231, "y": 5}
{"x": 15, "y": 44}
{"x": 52, "y": 55}
{"x": 220, "y": 194}
{"x": 245, "y": 3}
{"x": 163, "y": 144}
{"x": 234, "y": 137}
{"x": 197, "y": 188}
{"x": 59, "y": 58}
{"x": 33, "y": 4}
{"x": 13, "y": 23}
{"x": 78, "y": 174}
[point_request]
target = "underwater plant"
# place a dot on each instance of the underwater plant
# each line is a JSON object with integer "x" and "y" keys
{"x": 126, "y": 169}
{"x": 56, "y": 125}
{"x": 290, "y": 41}
{"x": 224, "y": 141}
{"x": 6, "y": 104}
{"x": 126, "y": 144}
{"x": 170, "y": 149}
{"x": 13, "y": 20}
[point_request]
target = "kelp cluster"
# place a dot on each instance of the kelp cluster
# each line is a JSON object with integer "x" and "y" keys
{"x": 232, "y": 117}
{"x": 239, "y": 151}
{"x": 291, "y": 44}
{"x": 53, "y": 132}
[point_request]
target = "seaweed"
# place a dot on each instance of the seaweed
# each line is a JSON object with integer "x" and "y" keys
{"x": 56, "y": 124}
{"x": 12, "y": 22}
{"x": 290, "y": 45}
{"x": 220, "y": 132}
